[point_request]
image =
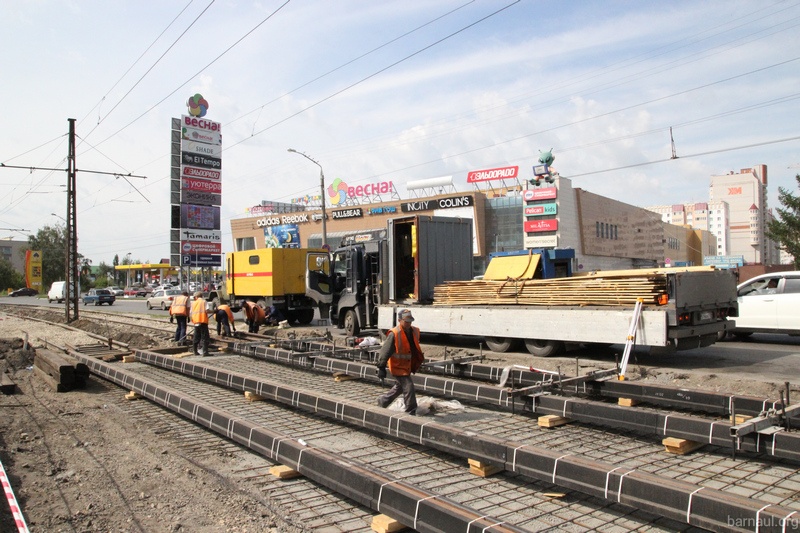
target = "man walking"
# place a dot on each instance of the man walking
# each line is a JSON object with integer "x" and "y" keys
{"x": 224, "y": 317}
{"x": 200, "y": 320}
{"x": 404, "y": 356}
{"x": 179, "y": 310}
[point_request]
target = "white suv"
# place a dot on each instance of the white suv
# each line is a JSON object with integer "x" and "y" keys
{"x": 769, "y": 303}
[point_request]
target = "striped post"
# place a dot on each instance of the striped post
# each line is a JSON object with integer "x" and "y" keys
{"x": 22, "y": 527}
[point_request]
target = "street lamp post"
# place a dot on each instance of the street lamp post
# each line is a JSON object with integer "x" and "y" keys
{"x": 322, "y": 195}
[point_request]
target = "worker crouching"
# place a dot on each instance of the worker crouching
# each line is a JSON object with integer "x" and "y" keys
{"x": 224, "y": 317}
{"x": 402, "y": 352}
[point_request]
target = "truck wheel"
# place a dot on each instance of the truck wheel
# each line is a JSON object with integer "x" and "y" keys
{"x": 742, "y": 334}
{"x": 304, "y": 316}
{"x": 501, "y": 344}
{"x": 543, "y": 348}
{"x": 351, "y": 323}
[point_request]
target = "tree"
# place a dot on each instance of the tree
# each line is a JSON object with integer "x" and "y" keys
{"x": 785, "y": 229}
{"x": 52, "y": 242}
{"x": 10, "y": 278}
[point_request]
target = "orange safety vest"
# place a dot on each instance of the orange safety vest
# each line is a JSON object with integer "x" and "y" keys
{"x": 228, "y": 312}
{"x": 180, "y": 306}
{"x": 402, "y": 363}
{"x": 254, "y": 312}
{"x": 199, "y": 313}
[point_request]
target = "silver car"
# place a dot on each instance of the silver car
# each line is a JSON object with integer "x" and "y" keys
{"x": 162, "y": 298}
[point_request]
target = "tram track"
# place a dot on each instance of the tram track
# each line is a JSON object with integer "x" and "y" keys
{"x": 512, "y": 497}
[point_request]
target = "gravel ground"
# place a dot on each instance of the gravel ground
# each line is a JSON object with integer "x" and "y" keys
{"x": 77, "y": 462}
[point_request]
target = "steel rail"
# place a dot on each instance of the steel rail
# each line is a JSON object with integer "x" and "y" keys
{"x": 407, "y": 503}
{"x": 678, "y": 500}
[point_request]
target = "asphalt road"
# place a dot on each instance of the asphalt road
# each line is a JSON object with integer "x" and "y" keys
{"x": 762, "y": 357}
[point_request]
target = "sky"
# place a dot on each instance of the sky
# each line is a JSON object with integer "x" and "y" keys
{"x": 385, "y": 91}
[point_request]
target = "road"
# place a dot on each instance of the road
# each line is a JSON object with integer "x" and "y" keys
{"x": 762, "y": 357}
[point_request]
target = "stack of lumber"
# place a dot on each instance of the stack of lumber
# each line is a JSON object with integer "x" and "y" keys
{"x": 613, "y": 288}
{"x": 60, "y": 373}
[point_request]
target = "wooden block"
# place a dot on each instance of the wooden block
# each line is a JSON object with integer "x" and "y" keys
{"x": 132, "y": 395}
{"x": 627, "y": 402}
{"x": 284, "y": 472}
{"x": 252, "y": 397}
{"x": 49, "y": 380}
{"x": 386, "y": 524}
{"x": 482, "y": 469}
{"x": 680, "y": 446}
{"x": 341, "y": 376}
{"x": 740, "y": 419}
{"x": 7, "y": 386}
{"x": 128, "y": 358}
{"x": 551, "y": 421}
{"x": 554, "y": 494}
{"x": 182, "y": 355}
{"x": 107, "y": 358}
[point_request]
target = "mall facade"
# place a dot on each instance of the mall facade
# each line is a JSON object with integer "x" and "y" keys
{"x": 508, "y": 215}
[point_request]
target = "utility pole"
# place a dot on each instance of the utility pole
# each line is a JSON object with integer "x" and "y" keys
{"x": 71, "y": 273}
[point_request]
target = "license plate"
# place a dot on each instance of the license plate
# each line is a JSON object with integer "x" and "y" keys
{"x": 706, "y": 315}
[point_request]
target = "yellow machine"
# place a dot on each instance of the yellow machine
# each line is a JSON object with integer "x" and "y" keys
{"x": 272, "y": 276}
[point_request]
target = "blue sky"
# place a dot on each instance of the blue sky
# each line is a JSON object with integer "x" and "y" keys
{"x": 386, "y": 91}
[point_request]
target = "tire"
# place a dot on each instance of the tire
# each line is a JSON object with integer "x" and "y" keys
{"x": 742, "y": 334}
{"x": 163, "y": 306}
{"x": 110, "y": 304}
{"x": 304, "y": 316}
{"x": 84, "y": 303}
{"x": 542, "y": 348}
{"x": 501, "y": 344}
{"x": 351, "y": 327}
{"x": 722, "y": 335}
{"x": 149, "y": 306}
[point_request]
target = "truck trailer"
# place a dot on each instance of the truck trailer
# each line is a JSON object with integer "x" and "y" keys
{"x": 372, "y": 281}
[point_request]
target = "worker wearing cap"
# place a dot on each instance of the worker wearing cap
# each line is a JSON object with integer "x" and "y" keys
{"x": 404, "y": 356}
{"x": 180, "y": 310}
{"x": 199, "y": 318}
{"x": 254, "y": 315}
{"x": 224, "y": 317}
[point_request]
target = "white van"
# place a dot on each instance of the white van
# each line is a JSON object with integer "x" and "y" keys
{"x": 56, "y": 292}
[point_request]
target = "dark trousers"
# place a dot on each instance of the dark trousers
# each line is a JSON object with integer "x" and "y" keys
{"x": 252, "y": 326}
{"x": 201, "y": 333}
{"x": 403, "y": 385}
{"x": 180, "y": 332}
{"x": 222, "y": 324}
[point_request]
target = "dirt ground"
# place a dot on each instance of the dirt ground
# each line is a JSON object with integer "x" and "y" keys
{"x": 78, "y": 462}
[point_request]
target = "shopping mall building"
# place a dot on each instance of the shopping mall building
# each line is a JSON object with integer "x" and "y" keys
{"x": 508, "y": 214}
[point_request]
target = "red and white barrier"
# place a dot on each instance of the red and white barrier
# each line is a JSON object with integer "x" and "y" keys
{"x": 12, "y": 501}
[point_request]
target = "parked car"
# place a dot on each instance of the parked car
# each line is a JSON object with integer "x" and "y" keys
{"x": 99, "y": 297}
{"x": 162, "y": 298}
{"x": 769, "y": 303}
{"x": 57, "y": 292}
{"x": 138, "y": 291}
{"x": 24, "y": 291}
{"x": 116, "y": 291}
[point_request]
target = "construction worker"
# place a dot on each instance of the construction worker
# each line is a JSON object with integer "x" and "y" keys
{"x": 274, "y": 316}
{"x": 199, "y": 318}
{"x": 224, "y": 317}
{"x": 179, "y": 310}
{"x": 404, "y": 356}
{"x": 254, "y": 315}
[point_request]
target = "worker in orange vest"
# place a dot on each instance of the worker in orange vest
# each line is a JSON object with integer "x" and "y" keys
{"x": 179, "y": 310}
{"x": 254, "y": 315}
{"x": 404, "y": 356}
{"x": 199, "y": 318}
{"x": 224, "y": 317}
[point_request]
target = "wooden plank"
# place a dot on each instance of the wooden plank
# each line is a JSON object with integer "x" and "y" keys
{"x": 128, "y": 358}
{"x": 552, "y": 421}
{"x": 386, "y": 524}
{"x": 284, "y": 472}
{"x": 627, "y": 402}
{"x": 681, "y": 446}
{"x": 54, "y": 385}
{"x": 7, "y": 385}
{"x": 341, "y": 376}
{"x": 252, "y": 397}
{"x": 133, "y": 395}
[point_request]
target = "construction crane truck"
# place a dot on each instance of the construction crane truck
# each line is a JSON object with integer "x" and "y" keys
{"x": 424, "y": 264}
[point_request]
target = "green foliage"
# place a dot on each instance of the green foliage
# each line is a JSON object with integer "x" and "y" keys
{"x": 102, "y": 282}
{"x": 52, "y": 241}
{"x": 10, "y": 278}
{"x": 785, "y": 229}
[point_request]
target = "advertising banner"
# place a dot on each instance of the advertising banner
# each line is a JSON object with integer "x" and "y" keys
{"x": 541, "y": 209}
{"x": 201, "y": 260}
{"x": 201, "y": 136}
{"x": 199, "y": 247}
{"x": 534, "y": 226}
{"x": 194, "y": 147}
{"x": 347, "y": 213}
{"x": 439, "y": 203}
{"x": 199, "y": 217}
{"x": 201, "y": 192}
{"x": 285, "y": 236}
{"x": 502, "y": 173}
{"x": 548, "y": 193}
{"x": 202, "y": 173}
{"x": 203, "y": 161}
{"x": 548, "y": 241}
{"x": 33, "y": 269}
